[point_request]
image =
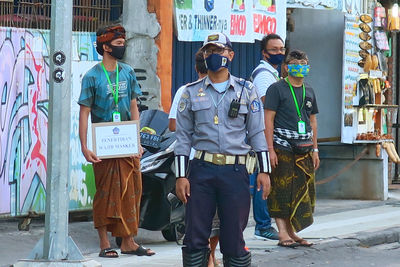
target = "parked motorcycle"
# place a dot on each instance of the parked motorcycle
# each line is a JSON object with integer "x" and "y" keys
{"x": 160, "y": 209}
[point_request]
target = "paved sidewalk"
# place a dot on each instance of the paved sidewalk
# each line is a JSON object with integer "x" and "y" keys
{"x": 337, "y": 223}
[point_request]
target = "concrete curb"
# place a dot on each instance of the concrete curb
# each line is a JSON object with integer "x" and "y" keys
{"x": 363, "y": 239}
{"x": 389, "y": 235}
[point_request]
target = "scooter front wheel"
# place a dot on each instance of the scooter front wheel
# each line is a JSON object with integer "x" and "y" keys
{"x": 169, "y": 233}
{"x": 174, "y": 232}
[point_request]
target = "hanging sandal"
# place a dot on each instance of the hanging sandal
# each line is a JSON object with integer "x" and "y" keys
{"x": 108, "y": 253}
{"x": 140, "y": 251}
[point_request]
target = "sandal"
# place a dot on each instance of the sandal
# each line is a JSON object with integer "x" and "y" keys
{"x": 288, "y": 243}
{"x": 303, "y": 243}
{"x": 140, "y": 251}
{"x": 108, "y": 253}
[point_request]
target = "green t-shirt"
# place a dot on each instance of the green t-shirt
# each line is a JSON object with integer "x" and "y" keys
{"x": 97, "y": 94}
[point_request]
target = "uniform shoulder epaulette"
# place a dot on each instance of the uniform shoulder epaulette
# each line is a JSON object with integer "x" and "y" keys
{"x": 194, "y": 83}
{"x": 247, "y": 84}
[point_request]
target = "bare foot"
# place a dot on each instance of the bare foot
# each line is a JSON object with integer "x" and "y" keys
{"x": 210, "y": 261}
{"x": 284, "y": 236}
{"x": 104, "y": 244}
{"x": 302, "y": 242}
{"x": 128, "y": 244}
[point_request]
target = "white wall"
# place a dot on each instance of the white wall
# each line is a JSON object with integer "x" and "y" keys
{"x": 320, "y": 34}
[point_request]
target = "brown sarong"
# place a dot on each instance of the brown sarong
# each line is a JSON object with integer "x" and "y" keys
{"x": 293, "y": 189}
{"x": 116, "y": 203}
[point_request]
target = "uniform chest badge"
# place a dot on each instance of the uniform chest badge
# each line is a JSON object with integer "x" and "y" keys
{"x": 201, "y": 92}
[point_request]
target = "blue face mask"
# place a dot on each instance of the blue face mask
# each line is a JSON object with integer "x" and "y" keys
{"x": 215, "y": 61}
{"x": 275, "y": 59}
{"x": 298, "y": 70}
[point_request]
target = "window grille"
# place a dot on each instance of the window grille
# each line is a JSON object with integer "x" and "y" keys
{"x": 88, "y": 15}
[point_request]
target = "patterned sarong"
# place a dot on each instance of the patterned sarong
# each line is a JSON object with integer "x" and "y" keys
{"x": 293, "y": 189}
{"x": 116, "y": 203}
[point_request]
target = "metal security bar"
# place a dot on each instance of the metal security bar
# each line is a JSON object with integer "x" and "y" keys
{"x": 33, "y": 14}
{"x": 88, "y": 15}
{"x": 6, "y": 10}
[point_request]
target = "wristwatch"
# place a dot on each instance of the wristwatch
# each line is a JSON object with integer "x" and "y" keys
{"x": 315, "y": 150}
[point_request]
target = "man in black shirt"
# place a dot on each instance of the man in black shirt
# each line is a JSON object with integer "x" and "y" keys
{"x": 290, "y": 110}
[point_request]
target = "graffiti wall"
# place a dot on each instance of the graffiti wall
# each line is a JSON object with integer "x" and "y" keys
{"x": 24, "y": 94}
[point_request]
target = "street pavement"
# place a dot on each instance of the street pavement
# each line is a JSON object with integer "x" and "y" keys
{"x": 337, "y": 224}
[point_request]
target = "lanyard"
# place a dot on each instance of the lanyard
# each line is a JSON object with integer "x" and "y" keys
{"x": 215, "y": 103}
{"x": 295, "y": 99}
{"x": 276, "y": 76}
{"x": 114, "y": 92}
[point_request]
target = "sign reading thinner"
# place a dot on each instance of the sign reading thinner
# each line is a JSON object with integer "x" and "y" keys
{"x": 241, "y": 20}
{"x": 115, "y": 139}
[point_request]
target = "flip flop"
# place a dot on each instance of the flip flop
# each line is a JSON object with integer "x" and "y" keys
{"x": 288, "y": 243}
{"x": 108, "y": 253}
{"x": 303, "y": 243}
{"x": 140, "y": 251}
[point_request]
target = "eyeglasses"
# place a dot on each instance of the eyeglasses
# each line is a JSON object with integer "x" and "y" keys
{"x": 214, "y": 50}
{"x": 277, "y": 50}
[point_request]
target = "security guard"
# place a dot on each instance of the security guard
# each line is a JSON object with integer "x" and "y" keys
{"x": 215, "y": 116}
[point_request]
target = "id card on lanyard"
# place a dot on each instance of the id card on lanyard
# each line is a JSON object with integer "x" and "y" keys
{"x": 301, "y": 125}
{"x": 116, "y": 116}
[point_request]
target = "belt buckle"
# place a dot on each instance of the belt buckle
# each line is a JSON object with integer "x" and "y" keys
{"x": 219, "y": 159}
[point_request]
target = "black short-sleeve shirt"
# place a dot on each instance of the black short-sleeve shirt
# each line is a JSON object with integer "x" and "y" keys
{"x": 279, "y": 99}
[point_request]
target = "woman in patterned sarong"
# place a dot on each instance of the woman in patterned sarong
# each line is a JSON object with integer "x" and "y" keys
{"x": 292, "y": 194}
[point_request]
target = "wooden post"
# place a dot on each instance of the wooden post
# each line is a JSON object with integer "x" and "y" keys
{"x": 164, "y": 13}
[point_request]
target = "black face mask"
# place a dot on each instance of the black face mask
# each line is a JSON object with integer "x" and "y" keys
{"x": 117, "y": 51}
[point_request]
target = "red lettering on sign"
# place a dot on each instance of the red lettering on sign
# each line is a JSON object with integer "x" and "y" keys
{"x": 264, "y": 24}
{"x": 238, "y": 25}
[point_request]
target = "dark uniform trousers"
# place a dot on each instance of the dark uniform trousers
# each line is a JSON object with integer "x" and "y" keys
{"x": 225, "y": 187}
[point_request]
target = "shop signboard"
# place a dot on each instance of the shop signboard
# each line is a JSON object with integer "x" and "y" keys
{"x": 241, "y": 20}
{"x": 318, "y": 4}
{"x": 269, "y": 17}
{"x": 351, "y": 72}
{"x": 347, "y": 6}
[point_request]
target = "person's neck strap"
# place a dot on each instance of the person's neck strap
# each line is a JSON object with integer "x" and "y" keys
{"x": 295, "y": 99}
{"x": 114, "y": 92}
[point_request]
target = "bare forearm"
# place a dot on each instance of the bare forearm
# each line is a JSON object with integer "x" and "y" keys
{"x": 313, "y": 122}
{"x": 172, "y": 125}
{"x": 269, "y": 128}
{"x": 134, "y": 110}
{"x": 83, "y": 126}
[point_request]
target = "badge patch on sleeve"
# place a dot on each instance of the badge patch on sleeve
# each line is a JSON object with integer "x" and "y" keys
{"x": 255, "y": 106}
{"x": 182, "y": 105}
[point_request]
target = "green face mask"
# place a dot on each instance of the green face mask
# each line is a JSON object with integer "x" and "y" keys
{"x": 298, "y": 70}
